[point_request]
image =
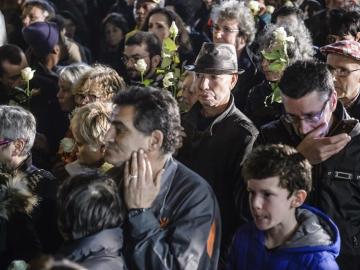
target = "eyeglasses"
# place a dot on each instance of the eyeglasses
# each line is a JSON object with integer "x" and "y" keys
{"x": 310, "y": 117}
{"x": 217, "y": 28}
{"x": 341, "y": 72}
{"x": 81, "y": 97}
{"x": 5, "y": 141}
{"x": 133, "y": 58}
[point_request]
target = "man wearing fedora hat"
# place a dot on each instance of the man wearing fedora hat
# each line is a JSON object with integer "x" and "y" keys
{"x": 218, "y": 135}
{"x": 343, "y": 60}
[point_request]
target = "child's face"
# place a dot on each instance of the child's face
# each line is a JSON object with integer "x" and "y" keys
{"x": 269, "y": 203}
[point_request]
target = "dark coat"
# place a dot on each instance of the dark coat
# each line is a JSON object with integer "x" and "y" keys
{"x": 181, "y": 230}
{"x": 336, "y": 187}
{"x": 354, "y": 109}
{"x": 258, "y": 106}
{"x": 101, "y": 251}
{"x": 18, "y": 237}
{"x": 44, "y": 216}
{"x": 247, "y": 80}
{"x": 216, "y": 154}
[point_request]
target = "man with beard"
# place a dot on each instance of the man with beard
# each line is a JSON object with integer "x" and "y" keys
{"x": 343, "y": 61}
{"x": 12, "y": 61}
{"x": 173, "y": 220}
{"x": 321, "y": 130}
{"x": 145, "y": 48}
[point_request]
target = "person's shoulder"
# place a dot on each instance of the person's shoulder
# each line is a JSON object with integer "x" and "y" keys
{"x": 242, "y": 122}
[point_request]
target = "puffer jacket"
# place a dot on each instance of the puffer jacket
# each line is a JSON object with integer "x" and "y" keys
{"x": 314, "y": 245}
{"x": 336, "y": 184}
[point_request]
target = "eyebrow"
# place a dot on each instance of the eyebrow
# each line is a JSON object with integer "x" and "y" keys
{"x": 118, "y": 124}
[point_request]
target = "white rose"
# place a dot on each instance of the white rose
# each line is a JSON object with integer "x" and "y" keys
{"x": 67, "y": 144}
{"x": 254, "y": 7}
{"x": 280, "y": 34}
{"x": 270, "y": 9}
{"x": 141, "y": 65}
{"x": 173, "y": 29}
{"x": 290, "y": 39}
{"x": 167, "y": 81}
{"x": 27, "y": 74}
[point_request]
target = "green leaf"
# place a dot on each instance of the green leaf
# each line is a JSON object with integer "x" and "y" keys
{"x": 273, "y": 55}
{"x": 166, "y": 62}
{"x": 147, "y": 82}
{"x": 277, "y": 66}
{"x": 177, "y": 73}
{"x": 169, "y": 45}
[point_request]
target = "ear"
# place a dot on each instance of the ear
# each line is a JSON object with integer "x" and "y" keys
{"x": 234, "y": 78}
{"x": 333, "y": 100}
{"x": 102, "y": 149}
{"x": 298, "y": 199}
{"x": 155, "y": 141}
{"x": 56, "y": 49}
{"x": 19, "y": 145}
{"x": 155, "y": 61}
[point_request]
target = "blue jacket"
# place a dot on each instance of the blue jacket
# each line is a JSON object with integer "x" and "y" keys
{"x": 315, "y": 245}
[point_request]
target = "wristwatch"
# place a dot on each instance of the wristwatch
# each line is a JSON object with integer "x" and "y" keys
{"x": 136, "y": 211}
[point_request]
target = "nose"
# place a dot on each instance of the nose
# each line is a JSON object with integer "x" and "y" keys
{"x": 26, "y": 21}
{"x": 109, "y": 134}
{"x": 255, "y": 201}
{"x": 203, "y": 83}
{"x": 303, "y": 127}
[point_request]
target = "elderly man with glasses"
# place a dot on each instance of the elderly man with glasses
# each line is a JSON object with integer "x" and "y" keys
{"x": 234, "y": 24}
{"x": 319, "y": 127}
{"x": 343, "y": 61}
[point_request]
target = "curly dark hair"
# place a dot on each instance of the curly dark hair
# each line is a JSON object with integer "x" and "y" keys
{"x": 293, "y": 170}
{"x": 89, "y": 203}
{"x": 156, "y": 109}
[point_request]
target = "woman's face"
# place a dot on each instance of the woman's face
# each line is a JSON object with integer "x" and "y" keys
{"x": 113, "y": 35}
{"x": 159, "y": 25}
{"x": 271, "y": 76}
{"x": 65, "y": 97}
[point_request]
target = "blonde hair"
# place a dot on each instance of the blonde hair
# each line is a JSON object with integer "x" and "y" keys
{"x": 101, "y": 81}
{"x": 91, "y": 122}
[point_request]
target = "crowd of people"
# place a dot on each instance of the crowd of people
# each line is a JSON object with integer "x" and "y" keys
{"x": 180, "y": 134}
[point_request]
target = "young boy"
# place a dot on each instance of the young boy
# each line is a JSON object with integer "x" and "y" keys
{"x": 284, "y": 234}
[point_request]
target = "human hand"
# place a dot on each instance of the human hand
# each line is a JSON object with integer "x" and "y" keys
{"x": 140, "y": 188}
{"x": 318, "y": 149}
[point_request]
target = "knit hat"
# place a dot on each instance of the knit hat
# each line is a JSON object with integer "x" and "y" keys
{"x": 41, "y": 37}
{"x": 349, "y": 48}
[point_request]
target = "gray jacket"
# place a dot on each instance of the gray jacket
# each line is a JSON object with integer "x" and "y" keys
{"x": 182, "y": 228}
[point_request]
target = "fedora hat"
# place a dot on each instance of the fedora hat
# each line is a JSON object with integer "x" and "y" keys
{"x": 216, "y": 58}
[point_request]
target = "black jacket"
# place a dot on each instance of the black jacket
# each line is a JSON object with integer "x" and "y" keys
{"x": 336, "y": 184}
{"x": 101, "y": 251}
{"x": 216, "y": 154}
{"x": 354, "y": 109}
{"x": 44, "y": 216}
{"x": 182, "y": 228}
{"x": 252, "y": 76}
{"x": 258, "y": 106}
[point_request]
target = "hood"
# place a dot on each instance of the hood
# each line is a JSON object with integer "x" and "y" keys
{"x": 15, "y": 195}
{"x": 316, "y": 232}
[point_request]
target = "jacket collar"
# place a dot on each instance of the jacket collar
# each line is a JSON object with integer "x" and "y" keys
{"x": 195, "y": 111}
{"x": 110, "y": 240}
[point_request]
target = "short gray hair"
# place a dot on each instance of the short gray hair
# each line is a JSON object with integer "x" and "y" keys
{"x": 18, "y": 123}
{"x": 235, "y": 10}
{"x": 301, "y": 49}
{"x": 71, "y": 73}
